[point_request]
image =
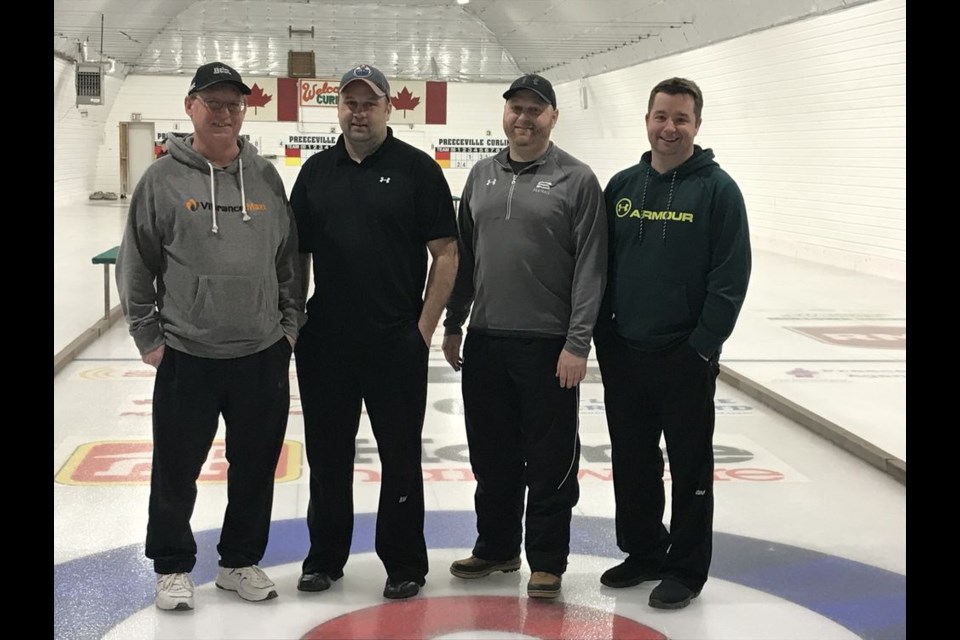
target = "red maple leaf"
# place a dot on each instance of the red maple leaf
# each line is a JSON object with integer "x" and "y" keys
{"x": 257, "y": 98}
{"x": 404, "y": 101}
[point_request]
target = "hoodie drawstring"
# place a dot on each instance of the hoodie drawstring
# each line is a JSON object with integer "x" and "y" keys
{"x": 213, "y": 201}
{"x": 213, "y": 198}
{"x": 243, "y": 195}
{"x": 643, "y": 200}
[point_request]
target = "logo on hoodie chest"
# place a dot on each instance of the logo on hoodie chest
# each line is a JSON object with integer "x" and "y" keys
{"x": 624, "y": 209}
{"x": 195, "y": 205}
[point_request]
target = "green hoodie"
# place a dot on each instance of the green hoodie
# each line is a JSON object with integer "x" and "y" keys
{"x": 679, "y": 255}
{"x": 207, "y": 263}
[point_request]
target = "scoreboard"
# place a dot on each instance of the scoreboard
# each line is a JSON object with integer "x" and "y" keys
{"x": 463, "y": 153}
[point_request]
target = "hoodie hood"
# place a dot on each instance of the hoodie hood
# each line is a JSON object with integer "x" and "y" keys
{"x": 181, "y": 149}
{"x": 701, "y": 159}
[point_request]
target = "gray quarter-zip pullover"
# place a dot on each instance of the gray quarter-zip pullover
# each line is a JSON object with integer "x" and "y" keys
{"x": 533, "y": 250}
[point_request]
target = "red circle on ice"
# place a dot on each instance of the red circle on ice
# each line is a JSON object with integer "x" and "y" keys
{"x": 424, "y": 618}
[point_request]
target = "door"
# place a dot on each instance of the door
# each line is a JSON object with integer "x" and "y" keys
{"x": 140, "y": 141}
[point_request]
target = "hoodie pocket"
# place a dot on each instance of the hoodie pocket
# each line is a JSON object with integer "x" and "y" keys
{"x": 232, "y": 307}
{"x": 649, "y": 308}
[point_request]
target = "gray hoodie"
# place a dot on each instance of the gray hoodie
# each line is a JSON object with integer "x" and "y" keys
{"x": 207, "y": 261}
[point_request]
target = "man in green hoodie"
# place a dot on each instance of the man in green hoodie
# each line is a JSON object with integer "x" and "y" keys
{"x": 208, "y": 284}
{"x": 678, "y": 272}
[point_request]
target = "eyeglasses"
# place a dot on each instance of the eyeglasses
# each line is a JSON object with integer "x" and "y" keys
{"x": 217, "y": 105}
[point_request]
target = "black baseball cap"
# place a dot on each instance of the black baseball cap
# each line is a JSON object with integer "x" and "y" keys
{"x": 214, "y": 73}
{"x": 538, "y": 84}
{"x": 371, "y": 75}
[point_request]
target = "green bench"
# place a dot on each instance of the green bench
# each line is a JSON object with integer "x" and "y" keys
{"x": 63, "y": 357}
{"x": 106, "y": 258}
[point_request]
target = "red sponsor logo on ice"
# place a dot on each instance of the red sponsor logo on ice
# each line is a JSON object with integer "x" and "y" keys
{"x": 130, "y": 462}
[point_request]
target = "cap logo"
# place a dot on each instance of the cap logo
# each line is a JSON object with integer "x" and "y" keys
{"x": 221, "y": 70}
{"x": 362, "y": 71}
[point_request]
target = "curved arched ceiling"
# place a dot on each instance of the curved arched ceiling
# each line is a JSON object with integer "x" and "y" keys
{"x": 482, "y": 41}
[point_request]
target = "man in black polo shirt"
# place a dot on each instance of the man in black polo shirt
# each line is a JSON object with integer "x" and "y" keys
{"x": 368, "y": 210}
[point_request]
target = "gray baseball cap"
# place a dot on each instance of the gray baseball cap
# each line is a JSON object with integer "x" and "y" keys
{"x": 371, "y": 75}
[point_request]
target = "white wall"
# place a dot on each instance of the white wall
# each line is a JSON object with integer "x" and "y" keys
{"x": 809, "y": 118}
{"x": 80, "y": 231}
{"x": 472, "y": 110}
{"x": 77, "y": 134}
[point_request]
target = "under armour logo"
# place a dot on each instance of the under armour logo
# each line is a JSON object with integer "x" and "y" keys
{"x": 403, "y": 499}
{"x": 490, "y": 182}
{"x": 700, "y": 492}
{"x": 387, "y": 180}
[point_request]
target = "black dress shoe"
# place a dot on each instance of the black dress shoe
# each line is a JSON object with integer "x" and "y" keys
{"x": 315, "y": 582}
{"x": 399, "y": 589}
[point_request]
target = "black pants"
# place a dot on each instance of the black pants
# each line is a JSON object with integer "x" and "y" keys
{"x": 189, "y": 395}
{"x": 646, "y": 394}
{"x": 335, "y": 376}
{"x": 522, "y": 432}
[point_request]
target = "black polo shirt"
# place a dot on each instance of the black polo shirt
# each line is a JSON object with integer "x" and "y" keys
{"x": 367, "y": 226}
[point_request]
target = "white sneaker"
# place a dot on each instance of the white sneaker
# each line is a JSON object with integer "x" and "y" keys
{"x": 250, "y": 583}
{"x": 174, "y": 592}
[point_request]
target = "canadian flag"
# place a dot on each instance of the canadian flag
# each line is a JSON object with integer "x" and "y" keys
{"x": 262, "y": 101}
{"x": 418, "y": 102}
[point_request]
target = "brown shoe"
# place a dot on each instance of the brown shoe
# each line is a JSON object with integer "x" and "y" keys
{"x": 543, "y": 585}
{"x": 474, "y": 567}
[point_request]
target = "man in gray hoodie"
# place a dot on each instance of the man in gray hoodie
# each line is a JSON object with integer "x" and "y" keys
{"x": 533, "y": 251}
{"x": 208, "y": 284}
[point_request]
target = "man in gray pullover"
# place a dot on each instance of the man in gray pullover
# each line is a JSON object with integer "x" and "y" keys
{"x": 208, "y": 284}
{"x": 533, "y": 251}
